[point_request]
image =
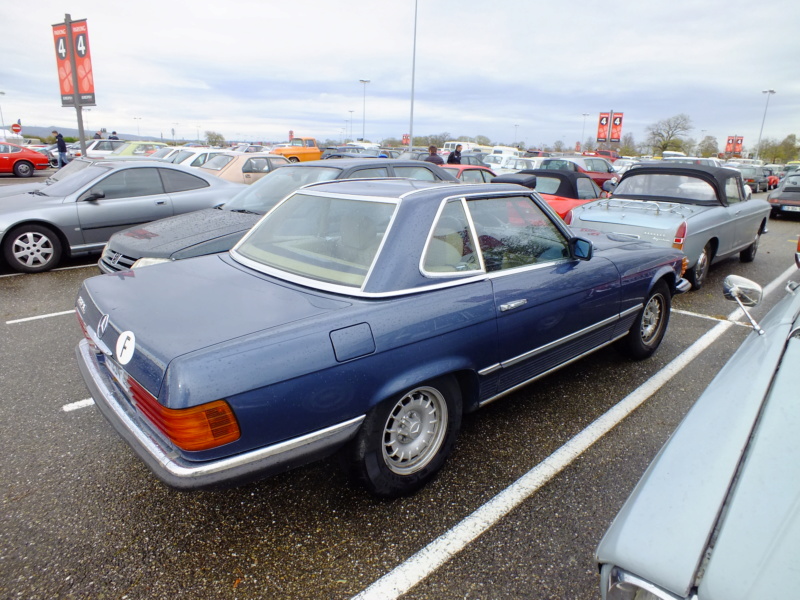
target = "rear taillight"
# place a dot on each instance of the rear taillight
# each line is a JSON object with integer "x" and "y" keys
{"x": 680, "y": 236}
{"x": 197, "y": 428}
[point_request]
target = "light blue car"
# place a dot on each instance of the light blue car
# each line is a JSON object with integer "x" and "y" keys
{"x": 716, "y": 515}
{"x": 702, "y": 210}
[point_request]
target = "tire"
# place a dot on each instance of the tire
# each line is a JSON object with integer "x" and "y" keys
{"x": 294, "y": 159}
{"x": 749, "y": 254}
{"x": 23, "y": 169}
{"x": 32, "y": 249}
{"x": 697, "y": 274}
{"x": 650, "y": 325}
{"x": 405, "y": 440}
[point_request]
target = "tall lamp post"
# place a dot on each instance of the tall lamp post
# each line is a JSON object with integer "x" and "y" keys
{"x": 583, "y": 131}
{"x": 413, "y": 76}
{"x": 364, "y": 111}
{"x": 515, "y": 135}
{"x": 768, "y": 93}
{"x": 350, "y": 136}
{"x": 2, "y": 121}
{"x": 138, "y": 128}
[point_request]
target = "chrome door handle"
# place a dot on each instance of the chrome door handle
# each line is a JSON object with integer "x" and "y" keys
{"x": 512, "y": 305}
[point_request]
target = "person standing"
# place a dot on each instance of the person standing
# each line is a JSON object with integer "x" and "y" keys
{"x": 113, "y": 136}
{"x": 61, "y": 146}
{"x": 454, "y": 158}
{"x": 433, "y": 157}
{"x": 98, "y": 136}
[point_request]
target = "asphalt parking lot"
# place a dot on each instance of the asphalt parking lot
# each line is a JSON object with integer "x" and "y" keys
{"x": 517, "y": 512}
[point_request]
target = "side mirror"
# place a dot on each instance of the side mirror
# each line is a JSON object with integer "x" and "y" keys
{"x": 610, "y": 185}
{"x": 745, "y": 293}
{"x": 580, "y": 248}
{"x": 92, "y": 196}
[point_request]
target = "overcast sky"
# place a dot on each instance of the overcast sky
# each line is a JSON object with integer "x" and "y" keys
{"x": 510, "y": 70}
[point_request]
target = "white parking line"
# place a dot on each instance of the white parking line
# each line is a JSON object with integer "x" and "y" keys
{"x": 59, "y": 269}
{"x": 77, "y": 405}
{"x": 58, "y": 314}
{"x": 408, "y": 574}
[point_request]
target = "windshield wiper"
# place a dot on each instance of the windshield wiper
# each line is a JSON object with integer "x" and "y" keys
{"x": 245, "y": 211}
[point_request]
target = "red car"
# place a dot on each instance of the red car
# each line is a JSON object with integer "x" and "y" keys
{"x": 20, "y": 161}
{"x": 562, "y": 190}
{"x": 599, "y": 169}
{"x": 470, "y": 173}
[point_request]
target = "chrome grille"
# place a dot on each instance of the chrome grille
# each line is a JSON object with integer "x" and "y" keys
{"x": 112, "y": 261}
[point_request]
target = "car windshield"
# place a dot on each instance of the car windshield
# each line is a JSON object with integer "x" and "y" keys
{"x": 275, "y": 186}
{"x": 76, "y": 181}
{"x": 327, "y": 239}
{"x": 660, "y": 186}
{"x": 161, "y": 152}
{"x": 71, "y": 167}
{"x": 218, "y": 162}
{"x": 748, "y": 172}
{"x": 792, "y": 182}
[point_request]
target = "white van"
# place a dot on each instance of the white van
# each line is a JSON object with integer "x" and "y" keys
{"x": 510, "y": 150}
{"x": 465, "y": 147}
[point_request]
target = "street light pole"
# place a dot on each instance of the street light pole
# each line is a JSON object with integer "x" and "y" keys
{"x": 138, "y": 127}
{"x": 364, "y": 111}
{"x": 515, "y": 135}
{"x": 768, "y": 93}
{"x": 413, "y": 75}
{"x": 350, "y": 137}
{"x": 2, "y": 121}
{"x": 583, "y": 131}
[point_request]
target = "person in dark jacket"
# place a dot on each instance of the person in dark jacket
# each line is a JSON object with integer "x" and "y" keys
{"x": 454, "y": 158}
{"x": 61, "y": 146}
{"x": 433, "y": 157}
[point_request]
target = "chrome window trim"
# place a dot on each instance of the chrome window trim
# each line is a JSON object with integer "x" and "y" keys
{"x": 474, "y": 238}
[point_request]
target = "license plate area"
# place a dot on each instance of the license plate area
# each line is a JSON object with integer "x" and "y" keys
{"x": 791, "y": 208}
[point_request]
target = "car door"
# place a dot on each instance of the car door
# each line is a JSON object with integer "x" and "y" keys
{"x": 549, "y": 307}
{"x": 129, "y": 197}
{"x": 744, "y": 215}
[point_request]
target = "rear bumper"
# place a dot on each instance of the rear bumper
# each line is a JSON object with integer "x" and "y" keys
{"x": 180, "y": 473}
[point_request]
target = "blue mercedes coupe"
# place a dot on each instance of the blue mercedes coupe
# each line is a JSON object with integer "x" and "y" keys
{"x": 362, "y": 317}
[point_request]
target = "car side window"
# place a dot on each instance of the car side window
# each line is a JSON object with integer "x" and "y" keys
{"x": 587, "y": 189}
{"x": 733, "y": 190}
{"x": 451, "y": 247}
{"x": 415, "y": 173}
{"x": 178, "y": 181}
{"x": 130, "y": 183}
{"x": 373, "y": 172}
{"x": 471, "y": 176}
{"x": 514, "y": 232}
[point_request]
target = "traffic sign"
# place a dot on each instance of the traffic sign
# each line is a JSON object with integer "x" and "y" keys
{"x": 16, "y": 128}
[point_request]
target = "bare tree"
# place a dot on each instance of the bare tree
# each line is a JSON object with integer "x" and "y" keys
{"x": 215, "y": 139}
{"x": 665, "y": 135}
{"x": 708, "y": 147}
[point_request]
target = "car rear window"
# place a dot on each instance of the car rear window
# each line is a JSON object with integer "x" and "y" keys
{"x": 327, "y": 239}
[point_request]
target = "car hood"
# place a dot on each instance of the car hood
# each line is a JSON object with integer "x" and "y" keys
{"x": 165, "y": 237}
{"x": 20, "y": 188}
{"x": 205, "y": 311}
{"x": 664, "y": 529}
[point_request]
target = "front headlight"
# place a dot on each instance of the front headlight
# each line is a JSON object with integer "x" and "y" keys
{"x": 617, "y": 584}
{"x": 146, "y": 262}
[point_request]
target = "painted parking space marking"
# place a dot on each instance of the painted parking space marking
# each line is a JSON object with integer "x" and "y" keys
{"x": 425, "y": 562}
{"x": 77, "y": 405}
{"x": 36, "y": 318}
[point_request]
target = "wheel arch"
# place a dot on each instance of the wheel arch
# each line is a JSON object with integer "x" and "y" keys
{"x": 66, "y": 248}
{"x": 455, "y": 367}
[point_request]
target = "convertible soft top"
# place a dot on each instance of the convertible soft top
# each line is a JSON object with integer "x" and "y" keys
{"x": 715, "y": 176}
